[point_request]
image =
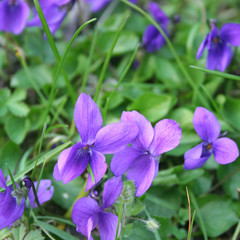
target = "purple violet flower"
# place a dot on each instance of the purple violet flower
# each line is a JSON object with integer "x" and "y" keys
{"x": 218, "y": 44}
{"x": 152, "y": 38}
{"x": 87, "y": 213}
{"x": 53, "y": 12}
{"x": 141, "y": 161}
{"x": 13, "y": 15}
{"x": 12, "y": 202}
{"x": 95, "y": 141}
{"x": 208, "y": 128}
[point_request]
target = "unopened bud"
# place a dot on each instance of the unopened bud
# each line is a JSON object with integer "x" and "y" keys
{"x": 152, "y": 225}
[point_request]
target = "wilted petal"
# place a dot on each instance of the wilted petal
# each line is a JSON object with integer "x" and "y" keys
{"x": 225, "y": 150}
{"x": 230, "y": 33}
{"x": 202, "y": 47}
{"x": 115, "y": 137}
{"x": 97, "y": 5}
{"x": 111, "y": 191}
{"x": 157, "y": 13}
{"x": 13, "y": 17}
{"x": 142, "y": 173}
{"x": 85, "y": 215}
{"x": 72, "y": 162}
{"x": 44, "y": 193}
{"x": 122, "y": 160}
{"x": 99, "y": 167}
{"x": 87, "y": 118}
{"x": 206, "y": 124}
{"x": 2, "y": 180}
{"x": 153, "y": 39}
{"x": 167, "y": 135}
{"x": 107, "y": 226}
{"x": 145, "y": 129}
{"x": 193, "y": 159}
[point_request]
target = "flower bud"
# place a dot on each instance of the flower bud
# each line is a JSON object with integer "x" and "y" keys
{"x": 152, "y": 225}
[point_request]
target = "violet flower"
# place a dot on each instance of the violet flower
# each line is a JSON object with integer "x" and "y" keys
{"x": 141, "y": 161}
{"x": 218, "y": 44}
{"x": 54, "y": 12}
{"x": 95, "y": 141}
{"x": 12, "y": 202}
{"x": 152, "y": 38}
{"x": 208, "y": 128}
{"x": 13, "y": 15}
{"x": 87, "y": 213}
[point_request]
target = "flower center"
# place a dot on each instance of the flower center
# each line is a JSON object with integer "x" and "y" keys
{"x": 206, "y": 150}
{"x": 215, "y": 40}
{"x": 12, "y": 2}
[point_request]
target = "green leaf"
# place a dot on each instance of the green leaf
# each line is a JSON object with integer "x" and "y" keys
{"x": 4, "y": 95}
{"x": 19, "y": 233}
{"x": 4, "y": 233}
{"x": 217, "y": 214}
{"x": 18, "y": 95}
{"x": 34, "y": 235}
{"x": 190, "y": 175}
{"x": 16, "y": 129}
{"x": 18, "y": 109}
{"x": 152, "y": 106}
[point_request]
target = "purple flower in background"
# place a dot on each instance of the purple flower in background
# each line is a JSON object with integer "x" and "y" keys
{"x": 152, "y": 38}
{"x": 218, "y": 44}
{"x": 13, "y": 15}
{"x": 54, "y": 12}
{"x": 12, "y": 202}
{"x": 95, "y": 141}
{"x": 87, "y": 213}
{"x": 208, "y": 128}
{"x": 141, "y": 161}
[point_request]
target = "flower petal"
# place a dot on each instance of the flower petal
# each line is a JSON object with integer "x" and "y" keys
{"x": 167, "y": 135}
{"x": 193, "y": 159}
{"x": 202, "y": 46}
{"x": 72, "y": 162}
{"x": 107, "y": 226}
{"x": 97, "y": 5}
{"x": 115, "y": 137}
{"x": 230, "y": 33}
{"x": 111, "y": 191}
{"x": 85, "y": 215}
{"x": 158, "y": 14}
{"x": 99, "y": 167}
{"x": 122, "y": 160}
{"x": 44, "y": 193}
{"x": 206, "y": 124}
{"x": 2, "y": 180}
{"x": 225, "y": 150}
{"x": 87, "y": 118}
{"x": 142, "y": 173}
{"x": 145, "y": 133}
{"x": 14, "y": 16}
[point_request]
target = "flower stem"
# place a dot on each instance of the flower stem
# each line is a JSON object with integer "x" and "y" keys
{"x": 236, "y": 232}
{"x": 119, "y": 218}
{"x": 11, "y": 176}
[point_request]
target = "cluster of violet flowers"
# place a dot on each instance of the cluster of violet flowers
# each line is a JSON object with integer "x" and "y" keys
{"x": 15, "y": 14}
{"x": 137, "y": 149}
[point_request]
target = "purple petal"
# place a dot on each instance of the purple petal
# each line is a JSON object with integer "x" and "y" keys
{"x": 13, "y": 17}
{"x": 56, "y": 173}
{"x": 225, "y": 150}
{"x": 72, "y": 162}
{"x": 230, "y": 33}
{"x": 9, "y": 204}
{"x": 62, "y": 2}
{"x": 145, "y": 133}
{"x": 219, "y": 56}
{"x": 152, "y": 39}
{"x": 206, "y": 124}
{"x": 202, "y": 46}
{"x": 111, "y": 191}
{"x": 158, "y": 14}
{"x": 115, "y": 137}
{"x": 193, "y": 159}
{"x": 107, "y": 226}
{"x": 44, "y": 193}
{"x": 2, "y": 180}
{"x": 212, "y": 37}
{"x": 167, "y": 135}
{"x": 122, "y": 160}
{"x": 99, "y": 167}
{"x": 87, "y": 118}
{"x": 142, "y": 173}
{"x": 97, "y": 5}
{"x": 85, "y": 215}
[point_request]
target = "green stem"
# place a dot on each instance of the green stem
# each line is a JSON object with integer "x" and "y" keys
{"x": 108, "y": 57}
{"x": 11, "y": 176}
{"x": 236, "y": 232}
{"x": 119, "y": 218}
{"x": 91, "y": 173}
{"x": 190, "y": 231}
